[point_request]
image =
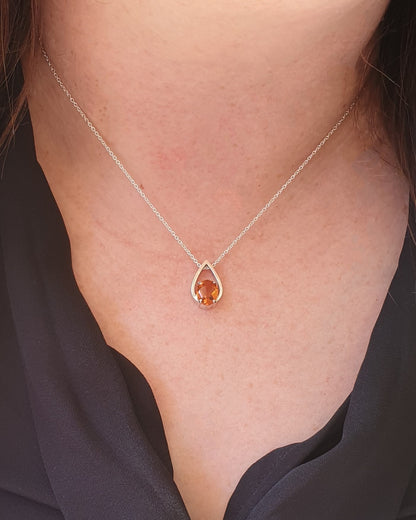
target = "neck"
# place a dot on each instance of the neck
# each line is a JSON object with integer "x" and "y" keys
{"x": 222, "y": 96}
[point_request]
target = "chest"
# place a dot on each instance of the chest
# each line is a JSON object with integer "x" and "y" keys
{"x": 276, "y": 358}
{"x": 267, "y": 367}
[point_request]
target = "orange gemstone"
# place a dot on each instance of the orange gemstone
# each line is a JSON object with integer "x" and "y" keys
{"x": 207, "y": 292}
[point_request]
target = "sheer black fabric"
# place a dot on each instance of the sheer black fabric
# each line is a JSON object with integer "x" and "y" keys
{"x": 81, "y": 436}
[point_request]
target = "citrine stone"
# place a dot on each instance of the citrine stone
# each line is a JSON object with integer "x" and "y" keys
{"x": 206, "y": 287}
{"x": 207, "y": 292}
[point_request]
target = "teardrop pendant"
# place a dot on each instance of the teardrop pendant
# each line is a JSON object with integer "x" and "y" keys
{"x": 206, "y": 292}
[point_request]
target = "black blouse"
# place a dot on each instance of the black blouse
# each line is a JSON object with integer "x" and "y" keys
{"x": 81, "y": 436}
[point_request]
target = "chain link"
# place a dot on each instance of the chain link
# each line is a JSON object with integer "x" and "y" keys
{"x": 117, "y": 161}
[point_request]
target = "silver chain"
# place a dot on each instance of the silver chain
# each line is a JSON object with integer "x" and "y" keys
{"x": 153, "y": 207}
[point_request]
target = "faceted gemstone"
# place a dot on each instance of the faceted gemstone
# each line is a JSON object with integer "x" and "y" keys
{"x": 206, "y": 287}
{"x": 207, "y": 292}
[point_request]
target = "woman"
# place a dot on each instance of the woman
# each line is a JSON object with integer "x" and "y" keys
{"x": 293, "y": 398}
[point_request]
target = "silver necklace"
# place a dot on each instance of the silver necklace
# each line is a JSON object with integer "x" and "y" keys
{"x": 206, "y": 286}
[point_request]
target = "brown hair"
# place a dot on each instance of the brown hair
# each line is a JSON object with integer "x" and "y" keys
{"x": 389, "y": 73}
{"x": 390, "y": 82}
{"x": 18, "y": 27}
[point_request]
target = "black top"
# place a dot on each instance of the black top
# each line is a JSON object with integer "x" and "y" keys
{"x": 81, "y": 436}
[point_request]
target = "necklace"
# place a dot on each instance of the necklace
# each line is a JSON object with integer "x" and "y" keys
{"x": 206, "y": 286}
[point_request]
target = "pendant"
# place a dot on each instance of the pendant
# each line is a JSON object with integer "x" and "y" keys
{"x": 206, "y": 291}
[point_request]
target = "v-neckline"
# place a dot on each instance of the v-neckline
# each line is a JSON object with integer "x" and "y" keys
{"x": 257, "y": 482}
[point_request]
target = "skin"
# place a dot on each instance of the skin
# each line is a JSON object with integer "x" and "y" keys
{"x": 211, "y": 106}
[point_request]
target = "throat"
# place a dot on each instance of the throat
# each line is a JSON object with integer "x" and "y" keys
{"x": 190, "y": 95}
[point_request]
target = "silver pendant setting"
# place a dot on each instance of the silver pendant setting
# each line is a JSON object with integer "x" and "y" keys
{"x": 206, "y": 287}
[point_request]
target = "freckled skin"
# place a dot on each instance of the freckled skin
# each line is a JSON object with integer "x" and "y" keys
{"x": 211, "y": 106}
{"x": 231, "y": 95}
